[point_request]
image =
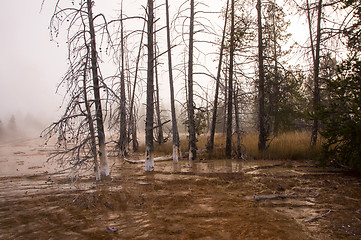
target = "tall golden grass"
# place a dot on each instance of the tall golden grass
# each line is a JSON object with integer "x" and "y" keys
{"x": 290, "y": 145}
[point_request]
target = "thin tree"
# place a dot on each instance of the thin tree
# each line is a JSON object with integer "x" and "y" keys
{"x": 262, "y": 139}
{"x": 93, "y": 145}
{"x": 230, "y": 87}
{"x": 190, "y": 102}
{"x": 132, "y": 110}
{"x": 159, "y": 132}
{"x": 176, "y": 142}
{"x": 316, "y": 69}
{"x": 104, "y": 170}
{"x": 149, "y": 161}
{"x": 239, "y": 153}
{"x": 123, "y": 140}
{"x": 210, "y": 144}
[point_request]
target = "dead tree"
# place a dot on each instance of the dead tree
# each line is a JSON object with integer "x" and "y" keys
{"x": 190, "y": 102}
{"x": 123, "y": 139}
{"x": 149, "y": 161}
{"x": 80, "y": 131}
{"x": 104, "y": 170}
{"x": 176, "y": 142}
{"x": 239, "y": 152}
{"x": 316, "y": 68}
{"x": 262, "y": 139}
{"x": 132, "y": 111}
{"x": 93, "y": 145}
{"x": 159, "y": 129}
{"x": 230, "y": 87}
{"x": 210, "y": 144}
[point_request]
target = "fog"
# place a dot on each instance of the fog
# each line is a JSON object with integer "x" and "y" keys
{"x": 30, "y": 65}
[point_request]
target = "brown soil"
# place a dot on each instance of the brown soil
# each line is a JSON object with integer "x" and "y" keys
{"x": 207, "y": 199}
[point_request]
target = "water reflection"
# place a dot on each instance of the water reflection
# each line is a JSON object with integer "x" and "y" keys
{"x": 198, "y": 167}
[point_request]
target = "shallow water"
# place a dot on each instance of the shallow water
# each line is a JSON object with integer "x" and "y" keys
{"x": 208, "y": 199}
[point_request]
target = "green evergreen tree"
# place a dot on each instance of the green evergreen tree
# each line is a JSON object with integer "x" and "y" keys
{"x": 341, "y": 115}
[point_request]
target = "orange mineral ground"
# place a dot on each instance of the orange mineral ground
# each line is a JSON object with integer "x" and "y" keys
{"x": 204, "y": 199}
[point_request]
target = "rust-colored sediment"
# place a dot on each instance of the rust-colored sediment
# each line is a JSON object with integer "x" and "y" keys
{"x": 208, "y": 199}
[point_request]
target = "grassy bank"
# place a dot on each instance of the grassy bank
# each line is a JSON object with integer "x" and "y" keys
{"x": 291, "y": 145}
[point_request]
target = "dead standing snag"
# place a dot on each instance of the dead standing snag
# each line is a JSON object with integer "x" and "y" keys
{"x": 80, "y": 131}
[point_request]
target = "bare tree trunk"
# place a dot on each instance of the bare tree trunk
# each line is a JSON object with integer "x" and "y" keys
{"x": 225, "y": 101}
{"x": 176, "y": 143}
{"x": 160, "y": 137}
{"x": 310, "y": 30}
{"x": 192, "y": 131}
{"x": 210, "y": 144}
{"x": 316, "y": 89}
{"x": 149, "y": 160}
{"x": 276, "y": 123}
{"x": 104, "y": 170}
{"x": 90, "y": 123}
{"x": 238, "y": 129}
{"x": 134, "y": 131}
{"x": 132, "y": 110}
{"x": 123, "y": 141}
{"x": 230, "y": 87}
{"x": 261, "y": 114}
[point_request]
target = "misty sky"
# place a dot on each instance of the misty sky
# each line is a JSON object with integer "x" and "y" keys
{"x": 30, "y": 64}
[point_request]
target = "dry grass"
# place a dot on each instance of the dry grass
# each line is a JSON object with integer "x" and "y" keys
{"x": 291, "y": 145}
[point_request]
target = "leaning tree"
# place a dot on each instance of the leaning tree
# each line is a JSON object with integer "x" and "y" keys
{"x": 80, "y": 131}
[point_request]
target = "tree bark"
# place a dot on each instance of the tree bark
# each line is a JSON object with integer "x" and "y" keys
{"x": 262, "y": 139}
{"x": 316, "y": 89}
{"x": 160, "y": 137}
{"x": 192, "y": 132}
{"x": 123, "y": 141}
{"x": 230, "y": 87}
{"x": 104, "y": 170}
{"x": 149, "y": 161}
{"x": 90, "y": 123}
{"x": 225, "y": 101}
{"x": 176, "y": 143}
{"x": 276, "y": 126}
{"x": 210, "y": 144}
{"x": 132, "y": 110}
{"x": 238, "y": 129}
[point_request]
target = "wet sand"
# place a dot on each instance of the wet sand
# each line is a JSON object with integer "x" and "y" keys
{"x": 205, "y": 199}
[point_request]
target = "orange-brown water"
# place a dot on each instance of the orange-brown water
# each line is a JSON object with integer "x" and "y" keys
{"x": 207, "y": 199}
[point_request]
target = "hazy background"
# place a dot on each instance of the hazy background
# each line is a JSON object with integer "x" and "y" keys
{"x": 30, "y": 64}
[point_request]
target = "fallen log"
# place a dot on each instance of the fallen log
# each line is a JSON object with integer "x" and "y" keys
{"x": 157, "y": 159}
{"x": 259, "y": 198}
{"x": 164, "y": 158}
{"x": 318, "y": 217}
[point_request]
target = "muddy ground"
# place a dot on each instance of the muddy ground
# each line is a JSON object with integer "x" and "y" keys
{"x": 205, "y": 199}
